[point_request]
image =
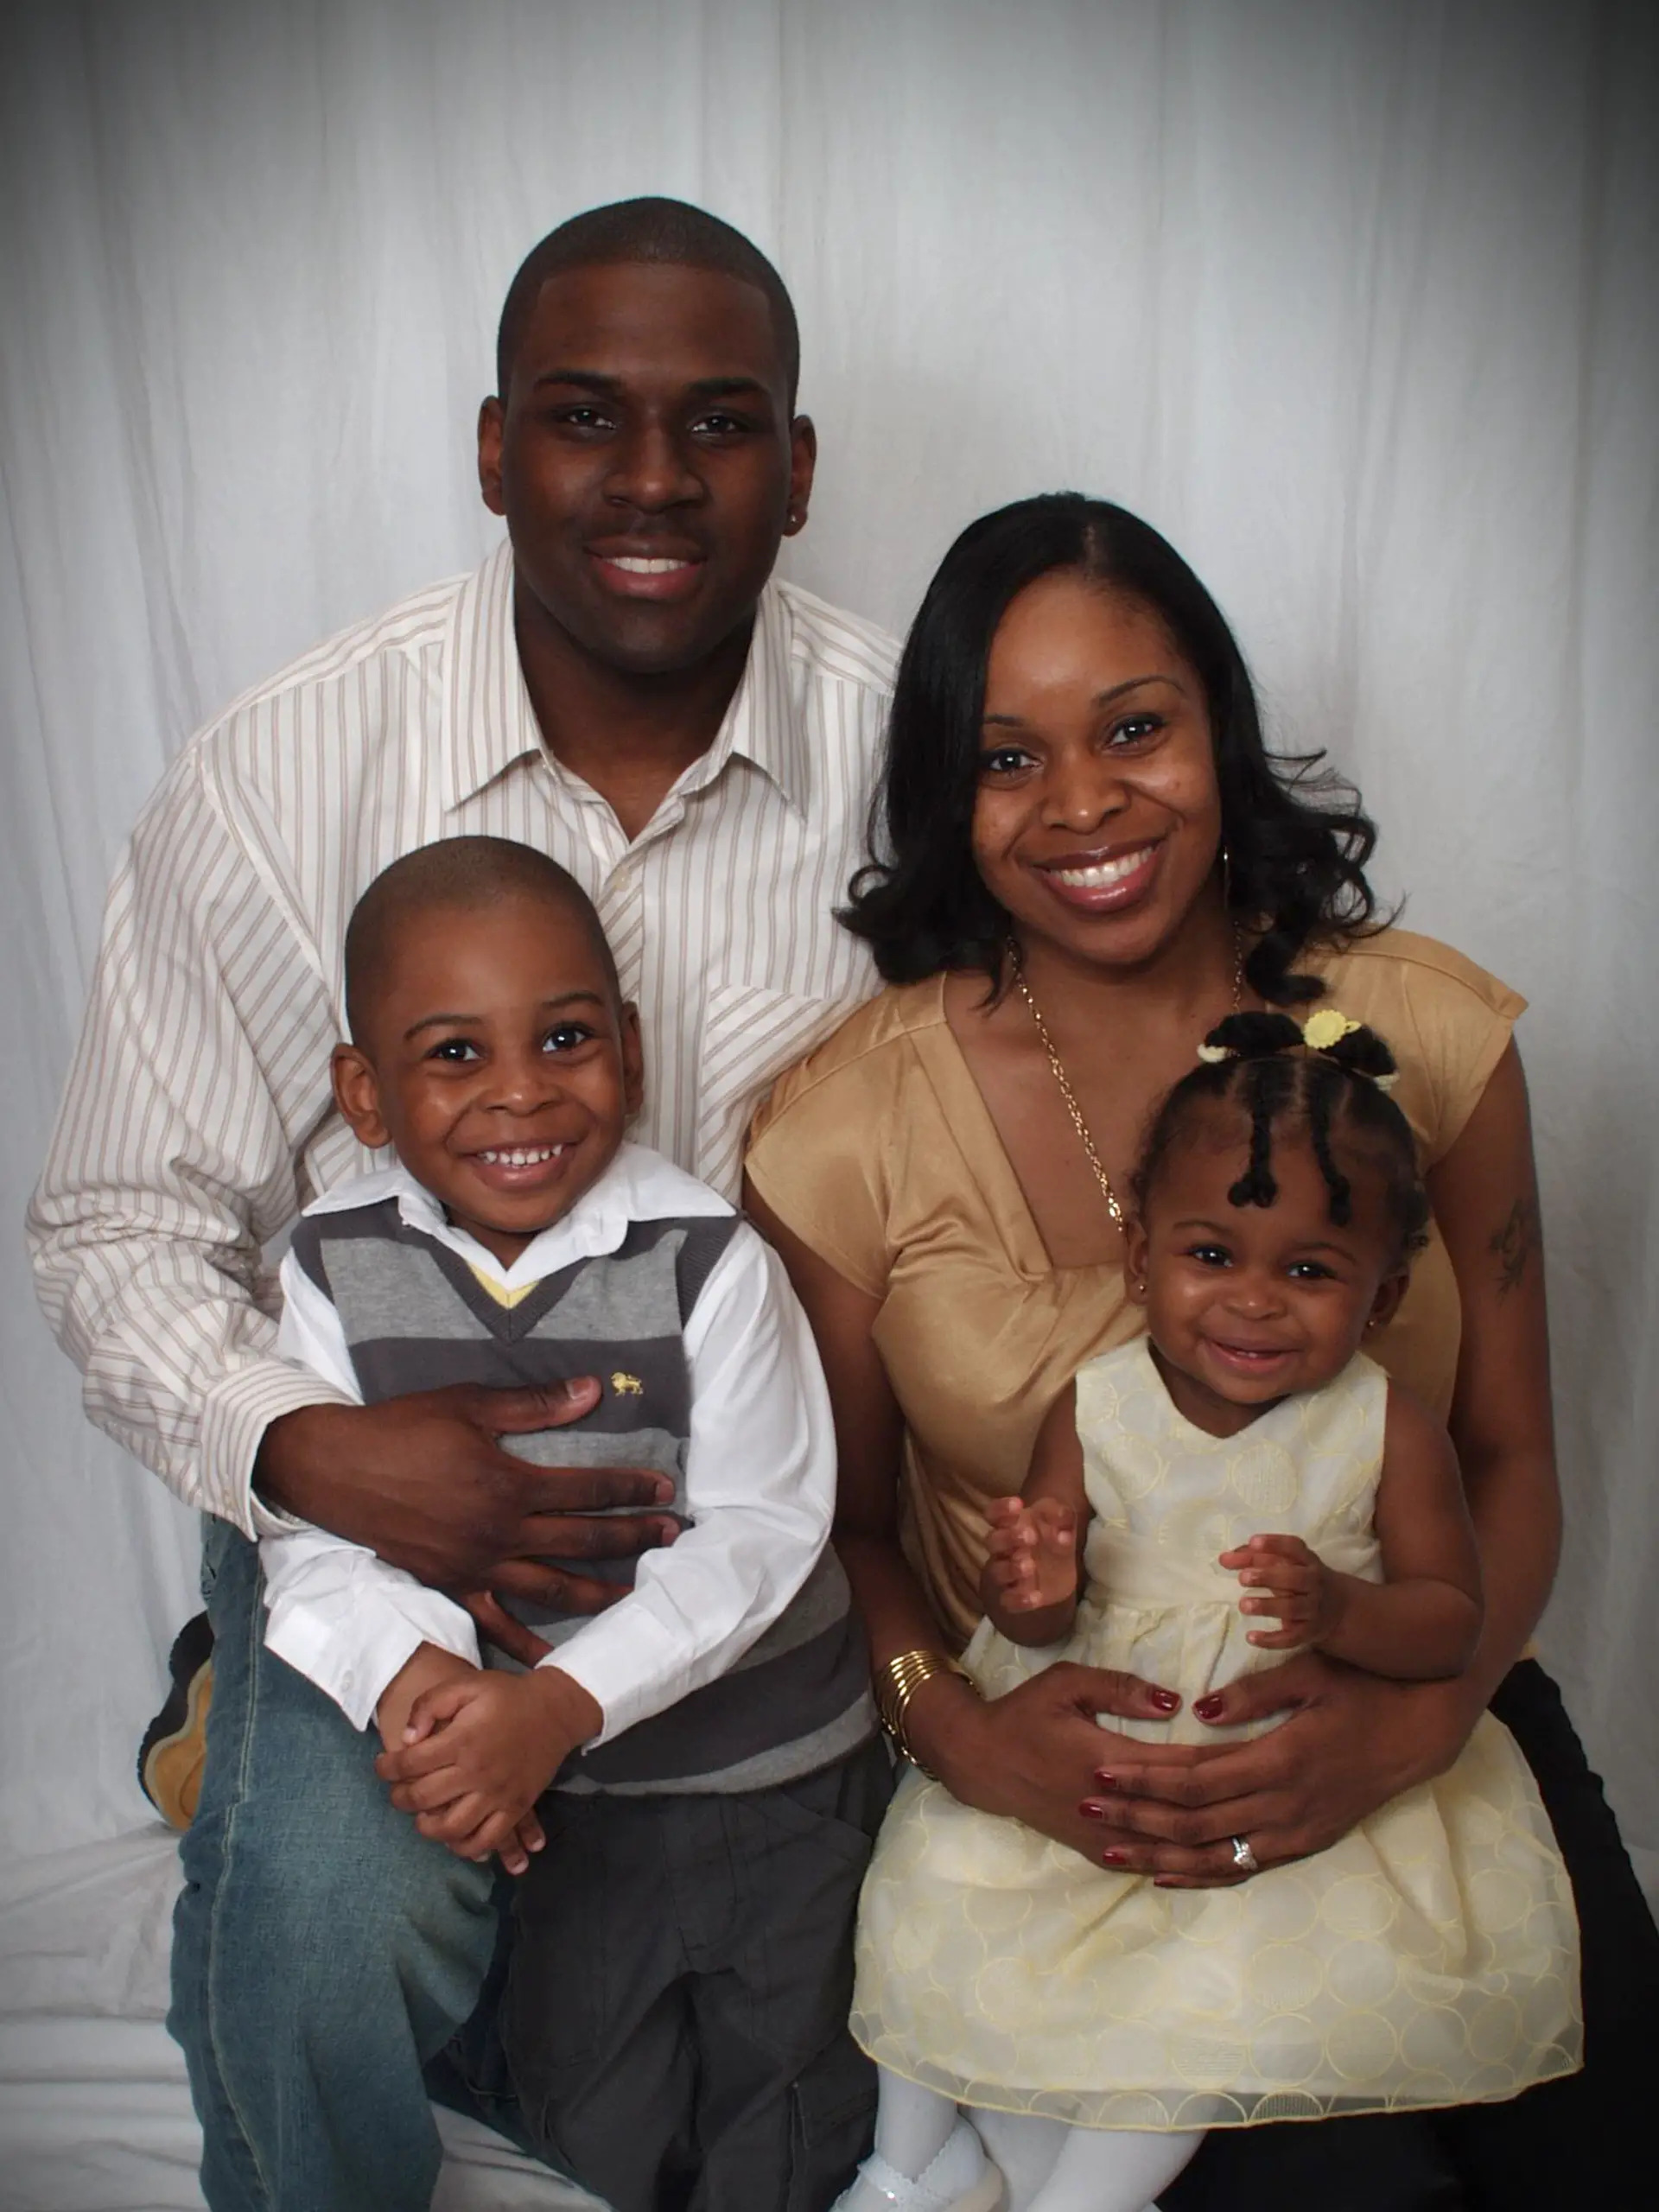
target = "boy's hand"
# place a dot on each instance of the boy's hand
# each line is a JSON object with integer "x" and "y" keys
{"x": 1286, "y": 1579}
{"x": 426, "y": 1668}
{"x": 1032, "y": 1556}
{"x": 476, "y": 1754}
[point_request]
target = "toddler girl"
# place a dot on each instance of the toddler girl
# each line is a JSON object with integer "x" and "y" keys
{"x": 1245, "y": 1445}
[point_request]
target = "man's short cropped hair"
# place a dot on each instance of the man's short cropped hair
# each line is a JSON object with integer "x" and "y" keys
{"x": 667, "y": 231}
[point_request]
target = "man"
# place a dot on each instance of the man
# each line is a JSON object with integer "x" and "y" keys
{"x": 622, "y": 686}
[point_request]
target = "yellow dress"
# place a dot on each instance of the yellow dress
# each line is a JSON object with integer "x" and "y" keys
{"x": 1429, "y": 1958}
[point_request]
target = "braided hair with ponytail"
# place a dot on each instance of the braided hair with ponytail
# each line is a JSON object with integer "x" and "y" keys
{"x": 1262, "y": 1065}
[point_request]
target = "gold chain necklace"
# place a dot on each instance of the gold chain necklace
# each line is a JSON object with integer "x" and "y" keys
{"x": 1113, "y": 1207}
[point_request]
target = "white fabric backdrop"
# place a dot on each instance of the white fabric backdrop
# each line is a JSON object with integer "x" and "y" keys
{"x": 1356, "y": 302}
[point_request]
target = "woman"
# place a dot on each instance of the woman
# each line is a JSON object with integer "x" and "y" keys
{"x": 1091, "y": 860}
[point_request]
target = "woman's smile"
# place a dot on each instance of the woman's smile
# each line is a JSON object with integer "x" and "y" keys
{"x": 1104, "y": 882}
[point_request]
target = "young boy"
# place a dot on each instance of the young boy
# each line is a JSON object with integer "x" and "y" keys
{"x": 676, "y": 2010}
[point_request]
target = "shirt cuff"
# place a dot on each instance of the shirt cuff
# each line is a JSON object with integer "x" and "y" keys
{"x": 356, "y": 1690}
{"x": 348, "y": 1622}
{"x": 623, "y": 1664}
{"x": 234, "y": 1418}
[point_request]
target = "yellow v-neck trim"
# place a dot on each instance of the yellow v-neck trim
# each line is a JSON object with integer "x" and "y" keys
{"x": 502, "y": 1297}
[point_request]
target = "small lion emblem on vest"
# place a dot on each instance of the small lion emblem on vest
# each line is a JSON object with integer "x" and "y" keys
{"x": 627, "y": 1386}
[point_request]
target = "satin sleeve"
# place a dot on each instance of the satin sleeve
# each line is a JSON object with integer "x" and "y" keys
{"x": 821, "y": 1153}
{"x": 1447, "y": 1022}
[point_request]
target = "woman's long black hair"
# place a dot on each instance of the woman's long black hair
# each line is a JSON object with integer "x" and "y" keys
{"x": 1297, "y": 841}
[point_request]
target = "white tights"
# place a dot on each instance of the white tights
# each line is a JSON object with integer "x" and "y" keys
{"x": 1050, "y": 2167}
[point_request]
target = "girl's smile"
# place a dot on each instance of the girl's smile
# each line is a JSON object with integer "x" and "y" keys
{"x": 1247, "y": 1305}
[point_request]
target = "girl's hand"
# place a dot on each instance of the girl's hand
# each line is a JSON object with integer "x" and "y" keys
{"x": 1286, "y": 1580}
{"x": 1031, "y": 1556}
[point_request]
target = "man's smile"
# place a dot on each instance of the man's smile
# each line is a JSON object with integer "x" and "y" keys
{"x": 657, "y": 574}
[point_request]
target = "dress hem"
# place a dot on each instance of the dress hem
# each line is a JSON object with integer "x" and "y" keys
{"x": 1046, "y": 2104}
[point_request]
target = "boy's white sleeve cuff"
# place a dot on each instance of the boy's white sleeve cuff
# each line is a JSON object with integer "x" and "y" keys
{"x": 355, "y": 1685}
{"x": 348, "y": 1622}
{"x": 621, "y": 1659}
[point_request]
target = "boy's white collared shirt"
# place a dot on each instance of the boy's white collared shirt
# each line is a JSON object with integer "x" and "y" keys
{"x": 759, "y": 1471}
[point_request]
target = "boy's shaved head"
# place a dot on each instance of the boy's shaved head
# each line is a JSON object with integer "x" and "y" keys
{"x": 462, "y": 873}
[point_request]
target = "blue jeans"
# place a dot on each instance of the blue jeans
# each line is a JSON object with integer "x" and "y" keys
{"x": 323, "y": 1951}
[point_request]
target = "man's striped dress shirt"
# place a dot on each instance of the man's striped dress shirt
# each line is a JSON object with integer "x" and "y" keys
{"x": 198, "y": 1118}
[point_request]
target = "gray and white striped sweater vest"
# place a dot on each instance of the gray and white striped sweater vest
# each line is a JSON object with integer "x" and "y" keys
{"x": 415, "y": 1318}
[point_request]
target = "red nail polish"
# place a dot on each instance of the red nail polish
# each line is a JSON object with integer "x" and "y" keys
{"x": 1209, "y": 1708}
{"x": 1165, "y": 1700}
{"x": 1114, "y": 1857}
{"x": 1105, "y": 1781}
{"x": 1090, "y": 1811}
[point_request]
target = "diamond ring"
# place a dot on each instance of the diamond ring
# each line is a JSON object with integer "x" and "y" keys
{"x": 1243, "y": 1858}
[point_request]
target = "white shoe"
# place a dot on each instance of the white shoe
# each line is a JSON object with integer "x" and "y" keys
{"x": 961, "y": 2179}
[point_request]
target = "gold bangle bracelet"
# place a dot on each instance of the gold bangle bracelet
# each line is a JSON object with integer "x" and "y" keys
{"x": 897, "y": 1681}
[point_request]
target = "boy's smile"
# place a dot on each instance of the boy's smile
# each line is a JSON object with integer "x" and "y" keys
{"x": 497, "y": 1062}
{"x": 1247, "y": 1305}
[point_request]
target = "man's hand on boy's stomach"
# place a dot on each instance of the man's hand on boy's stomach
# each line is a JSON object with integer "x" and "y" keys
{"x": 423, "y": 1482}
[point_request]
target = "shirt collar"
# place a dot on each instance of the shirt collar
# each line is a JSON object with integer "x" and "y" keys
{"x": 488, "y": 723}
{"x": 766, "y": 722}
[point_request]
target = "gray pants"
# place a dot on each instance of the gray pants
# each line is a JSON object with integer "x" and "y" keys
{"x": 676, "y": 2014}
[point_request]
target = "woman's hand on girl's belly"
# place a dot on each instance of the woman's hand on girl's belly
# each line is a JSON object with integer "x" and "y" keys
{"x": 1350, "y": 1742}
{"x": 1035, "y": 1754}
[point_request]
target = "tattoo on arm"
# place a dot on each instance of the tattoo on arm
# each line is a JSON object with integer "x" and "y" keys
{"x": 1515, "y": 1243}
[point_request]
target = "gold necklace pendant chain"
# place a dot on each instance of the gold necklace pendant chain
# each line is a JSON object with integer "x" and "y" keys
{"x": 1071, "y": 1105}
{"x": 1113, "y": 1207}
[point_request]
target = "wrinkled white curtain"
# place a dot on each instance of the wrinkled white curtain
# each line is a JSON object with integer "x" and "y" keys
{"x": 1356, "y": 301}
